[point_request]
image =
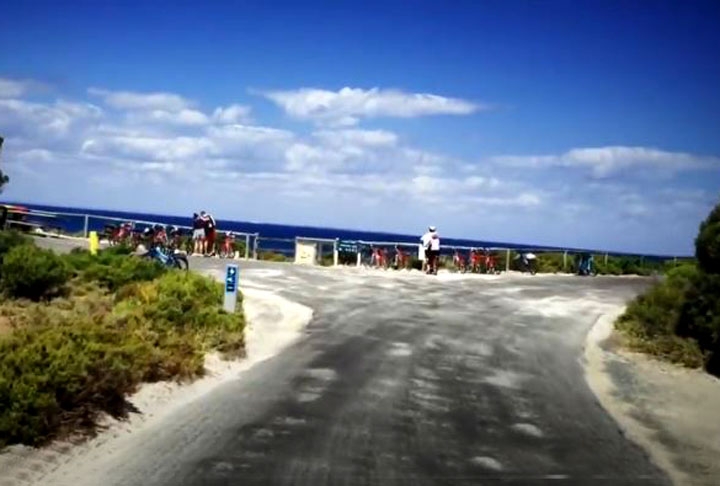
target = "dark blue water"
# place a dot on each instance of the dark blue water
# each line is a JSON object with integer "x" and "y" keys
{"x": 275, "y": 236}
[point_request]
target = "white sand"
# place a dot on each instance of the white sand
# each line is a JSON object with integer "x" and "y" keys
{"x": 679, "y": 404}
{"x": 273, "y": 324}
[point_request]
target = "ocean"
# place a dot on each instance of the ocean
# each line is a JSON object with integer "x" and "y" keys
{"x": 274, "y": 237}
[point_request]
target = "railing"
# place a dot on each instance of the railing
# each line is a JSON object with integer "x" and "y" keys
{"x": 264, "y": 247}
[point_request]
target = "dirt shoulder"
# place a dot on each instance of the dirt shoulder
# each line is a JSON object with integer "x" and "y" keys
{"x": 673, "y": 412}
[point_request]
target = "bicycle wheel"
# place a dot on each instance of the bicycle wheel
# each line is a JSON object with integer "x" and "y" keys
{"x": 181, "y": 262}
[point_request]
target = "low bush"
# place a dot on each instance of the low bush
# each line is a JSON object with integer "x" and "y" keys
{"x": 113, "y": 268}
{"x": 73, "y": 358}
{"x": 33, "y": 273}
{"x": 679, "y": 318}
{"x": 272, "y": 256}
{"x": 11, "y": 239}
{"x": 652, "y": 321}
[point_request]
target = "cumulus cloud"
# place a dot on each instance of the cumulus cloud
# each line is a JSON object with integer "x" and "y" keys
{"x": 232, "y": 114}
{"x": 348, "y": 105}
{"x": 101, "y": 153}
{"x": 606, "y": 161}
{"x": 367, "y": 138}
{"x": 129, "y": 100}
{"x": 13, "y": 88}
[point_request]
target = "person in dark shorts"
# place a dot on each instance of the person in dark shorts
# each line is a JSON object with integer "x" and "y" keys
{"x": 198, "y": 235}
{"x": 210, "y": 228}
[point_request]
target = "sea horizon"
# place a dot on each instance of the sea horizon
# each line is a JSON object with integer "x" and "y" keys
{"x": 280, "y": 231}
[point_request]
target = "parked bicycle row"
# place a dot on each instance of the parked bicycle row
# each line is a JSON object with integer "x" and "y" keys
{"x": 223, "y": 244}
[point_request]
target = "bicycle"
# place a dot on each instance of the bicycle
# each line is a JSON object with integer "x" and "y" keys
{"x": 402, "y": 259}
{"x": 227, "y": 249}
{"x": 459, "y": 262}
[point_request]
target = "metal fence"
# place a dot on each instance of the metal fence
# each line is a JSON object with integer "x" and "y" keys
{"x": 329, "y": 251}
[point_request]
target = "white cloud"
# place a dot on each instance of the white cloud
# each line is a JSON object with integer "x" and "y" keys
{"x": 14, "y": 88}
{"x": 607, "y": 161}
{"x": 76, "y": 153}
{"x": 366, "y": 138}
{"x": 129, "y": 100}
{"x": 231, "y": 114}
{"x": 348, "y": 105}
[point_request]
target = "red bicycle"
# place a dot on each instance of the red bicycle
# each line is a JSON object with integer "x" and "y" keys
{"x": 402, "y": 259}
{"x": 378, "y": 258}
{"x": 459, "y": 262}
{"x": 477, "y": 260}
{"x": 227, "y": 249}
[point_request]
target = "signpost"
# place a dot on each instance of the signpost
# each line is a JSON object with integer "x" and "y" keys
{"x": 231, "y": 284}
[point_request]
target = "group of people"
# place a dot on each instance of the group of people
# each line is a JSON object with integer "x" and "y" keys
{"x": 204, "y": 234}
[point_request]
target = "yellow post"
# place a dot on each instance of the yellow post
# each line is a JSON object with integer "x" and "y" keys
{"x": 94, "y": 242}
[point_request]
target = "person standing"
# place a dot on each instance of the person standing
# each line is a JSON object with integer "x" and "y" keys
{"x": 198, "y": 235}
{"x": 434, "y": 250}
{"x": 431, "y": 244}
{"x": 210, "y": 227}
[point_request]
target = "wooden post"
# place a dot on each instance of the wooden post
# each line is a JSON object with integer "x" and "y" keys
{"x": 507, "y": 260}
{"x": 336, "y": 252}
{"x": 565, "y": 261}
{"x": 606, "y": 259}
{"x": 247, "y": 246}
{"x": 255, "y": 246}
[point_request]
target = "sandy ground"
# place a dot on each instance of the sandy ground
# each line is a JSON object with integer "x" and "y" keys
{"x": 673, "y": 412}
{"x": 273, "y": 323}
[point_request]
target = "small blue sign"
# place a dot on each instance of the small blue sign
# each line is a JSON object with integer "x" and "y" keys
{"x": 231, "y": 277}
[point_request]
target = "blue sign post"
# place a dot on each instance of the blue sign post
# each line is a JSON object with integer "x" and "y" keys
{"x": 231, "y": 284}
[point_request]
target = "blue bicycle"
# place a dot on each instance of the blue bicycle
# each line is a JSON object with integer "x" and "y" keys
{"x": 170, "y": 258}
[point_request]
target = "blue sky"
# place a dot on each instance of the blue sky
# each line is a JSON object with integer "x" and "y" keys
{"x": 589, "y": 123}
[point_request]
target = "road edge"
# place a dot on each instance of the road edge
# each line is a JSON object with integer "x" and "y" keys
{"x": 603, "y": 387}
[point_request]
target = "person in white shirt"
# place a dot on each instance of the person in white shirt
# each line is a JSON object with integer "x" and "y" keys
{"x": 431, "y": 243}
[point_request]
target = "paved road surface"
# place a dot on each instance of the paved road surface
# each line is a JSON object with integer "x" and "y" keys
{"x": 404, "y": 380}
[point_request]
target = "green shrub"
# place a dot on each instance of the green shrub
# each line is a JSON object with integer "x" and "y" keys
{"x": 700, "y": 317}
{"x": 33, "y": 273}
{"x": 112, "y": 268}
{"x": 553, "y": 263}
{"x": 187, "y": 302}
{"x": 272, "y": 256}
{"x": 62, "y": 375}
{"x": 11, "y": 239}
{"x": 707, "y": 243}
{"x": 74, "y": 358}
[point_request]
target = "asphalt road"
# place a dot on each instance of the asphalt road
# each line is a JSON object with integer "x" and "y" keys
{"x": 404, "y": 380}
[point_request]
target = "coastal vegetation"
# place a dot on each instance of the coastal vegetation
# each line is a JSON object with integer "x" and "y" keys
{"x": 678, "y": 319}
{"x": 79, "y": 332}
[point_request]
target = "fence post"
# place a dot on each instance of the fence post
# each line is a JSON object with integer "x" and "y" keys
{"x": 674, "y": 261}
{"x": 606, "y": 259}
{"x": 247, "y": 246}
{"x": 86, "y": 226}
{"x": 507, "y": 260}
{"x": 255, "y": 246}
{"x": 565, "y": 261}
{"x": 336, "y": 252}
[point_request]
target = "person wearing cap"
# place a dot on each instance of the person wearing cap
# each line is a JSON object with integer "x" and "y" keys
{"x": 431, "y": 243}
